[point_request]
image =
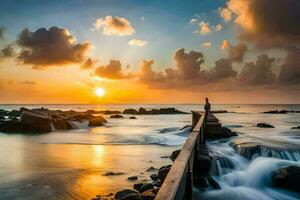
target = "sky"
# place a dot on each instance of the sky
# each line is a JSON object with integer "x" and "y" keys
{"x": 142, "y": 51}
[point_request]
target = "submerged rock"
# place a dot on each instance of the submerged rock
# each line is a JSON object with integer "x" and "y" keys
{"x": 109, "y": 173}
{"x": 132, "y": 178}
{"x": 132, "y": 117}
{"x": 296, "y": 127}
{"x": 264, "y": 125}
{"x": 117, "y": 116}
{"x": 213, "y": 183}
{"x": 276, "y": 112}
{"x": 149, "y": 194}
{"x": 151, "y": 169}
{"x": 287, "y": 178}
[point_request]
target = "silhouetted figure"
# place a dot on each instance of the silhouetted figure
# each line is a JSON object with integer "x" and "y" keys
{"x": 207, "y": 106}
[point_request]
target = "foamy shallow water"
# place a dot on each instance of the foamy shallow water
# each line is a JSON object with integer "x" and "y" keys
{"x": 70, "y": 164}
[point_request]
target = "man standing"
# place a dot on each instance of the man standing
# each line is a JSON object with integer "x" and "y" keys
{"x": 207, "y": 106}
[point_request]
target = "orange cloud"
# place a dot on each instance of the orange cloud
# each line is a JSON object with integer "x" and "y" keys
{"x": 204, "y": 28}
{"x": 112, "y": 71}
{"x": 110, "y": 25}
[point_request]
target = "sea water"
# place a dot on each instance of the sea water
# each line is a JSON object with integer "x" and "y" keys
{"x": 71, "y": 164}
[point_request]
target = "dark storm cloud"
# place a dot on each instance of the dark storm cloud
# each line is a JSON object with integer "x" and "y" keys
{"x": 258, "y": 73}
{"x": 290, "y": 70}
{"x": 55, "y": 46}
{"x": 236, "y": 53}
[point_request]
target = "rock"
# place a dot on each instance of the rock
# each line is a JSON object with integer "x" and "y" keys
{"x": 128, "y": 195}
{"x": 132, "y": 178}
{"x": 14, "y": 114}
{"x": 276, "y": 112}
{"x": 163, "y": 172}
{"x": 143, "y": 111}
{"x": 2, "y": 117}
{"x": 264, "y": 125}
{"x": 154, "y": 177}
{"x": 204, "y": 160}
{"x": 202, "y": 182}
{"x": 149, "y": 194}
{"x": 12, "y": 126}
{"x": 132, "y": 117}
{"x": 174, "y": 155}
{"x": 97, "y": 121}
{"x": 35, "y": 122}
{"x": 111, "y": 112}
{"x": 61, "y": 124}
{"x": 287, "y": 178}
{"x": 79, "y": 117}
{"x": 296, "y": 127}
{"x": 151, "y": 169}
{"x": 109, "y": 173}
{"x": 218, "y": 132}
{"x": 3, "y": 112}
{"x": 214, "y": 184}
{"x": 116, "y": 116}
{"x": 130, "y": 111}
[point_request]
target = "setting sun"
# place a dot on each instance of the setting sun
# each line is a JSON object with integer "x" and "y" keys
{"x": 100, "y": 92}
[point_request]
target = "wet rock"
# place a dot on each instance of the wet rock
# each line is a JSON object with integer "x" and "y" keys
{"x": 79, "y": 116}
{"x": 154, "y": 177}
{"x": 149, "y": 194}
{"x": 14, "y": 114}
{"x": 287, "y": 178}
{"x": 142, "y": 111}
{"x": 111, "y": 112}
{"x": 117, "y": 116}
{"x": 163, "y": 172}
{"x": 2, "y": 117}
{"x": 202, "y": 182}
{"x": 61, "y": 124}
{"x": 132, "y": 117}
{"x": 296, "y": 127}
{"x": 213, "y": 183}
{"x": 35, "y": 122}
{"x": 97, "y": 121}
{"x": 264, "y": 125}
{"x": 218, "y": 132}
{"x": 128, "y": 195}
{"x": 12, "y": 126}
{"x": 110, "y": 173}
{"x": 132, "y": 178}
{"x": 130, "y": 111}
{"x": 174, "y": 155}
{"x": 3, "y": 112}
{"x": 276, "y": 112}
{"x": 151, "y": 169}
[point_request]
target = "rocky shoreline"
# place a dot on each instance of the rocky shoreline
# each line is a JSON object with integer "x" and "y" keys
{"x": 43, "y": 120}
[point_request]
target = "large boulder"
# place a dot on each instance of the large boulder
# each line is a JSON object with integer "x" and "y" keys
{"x": 149, "y": 194}
{"x": 287, "y": 178}
{"x": 11, "y": 126}
{"x": 128, "y": 195}
{"x": 97, "y": 121}
{"x": 174, "y": 155}
{"x": 14, "y": 114}
{"x": 36, "y": 122}
{"x": 130, "y": 111}
{"x": 79, "y": 117}
{"x": 264, "y": 125}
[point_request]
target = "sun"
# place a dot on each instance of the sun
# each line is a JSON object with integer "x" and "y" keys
{"x": 100, "y": 92}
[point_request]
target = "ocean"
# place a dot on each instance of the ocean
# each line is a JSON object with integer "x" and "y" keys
{"x": 72, "y": 164}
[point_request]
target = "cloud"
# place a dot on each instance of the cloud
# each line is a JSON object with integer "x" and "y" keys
{"x": 137, "y": 42}
{"x": 7, "y": 52}
{"x": 88, "y": 64}
{"x": 204, "y": 28}
{"x": 112, "y": 71}
{"x": 236, "y": 53}
{"x": 206, "y": 44}
{"x": 225, "y": 14}
{"x": 258, "y": 73}
{"x": 290, "y": 70}
{"x": 218, "y": 27}
{"x": 27, "y": 82}
{"x": 193, "y": 21}
{"x": 110, "y": 25}
{"x": 55, "y": 46}
{"x": 262, "y": 26}
{"x": 223, "y": 69}
{"x": 225, "y": 45}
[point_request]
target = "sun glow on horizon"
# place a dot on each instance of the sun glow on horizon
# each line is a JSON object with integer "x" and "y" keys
{"x": 100, "y": 92}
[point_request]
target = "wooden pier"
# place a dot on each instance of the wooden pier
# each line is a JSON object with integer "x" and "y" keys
{"x": 183, "y": 174}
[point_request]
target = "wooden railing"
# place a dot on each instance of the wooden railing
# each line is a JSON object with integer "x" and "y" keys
{"x": 179, "y": 182}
